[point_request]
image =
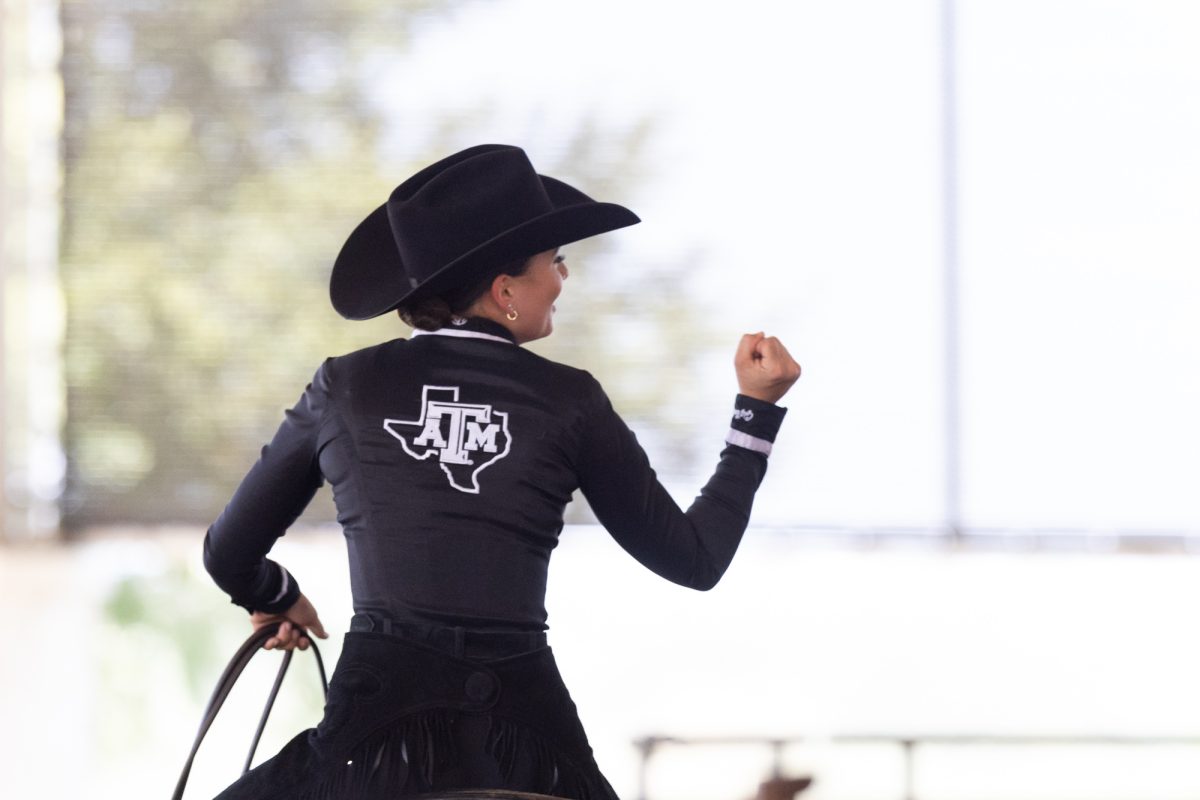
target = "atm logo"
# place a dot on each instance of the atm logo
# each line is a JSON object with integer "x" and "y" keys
{"x": 466, "y": 437}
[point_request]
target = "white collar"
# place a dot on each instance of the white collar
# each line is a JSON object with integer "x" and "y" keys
{"x": 461, "y": 334}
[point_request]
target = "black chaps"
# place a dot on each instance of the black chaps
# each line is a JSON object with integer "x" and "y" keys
{"x": 405, "y": 718}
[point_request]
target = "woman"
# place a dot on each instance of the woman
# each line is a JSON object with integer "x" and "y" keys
{"x": 452, "y": 456}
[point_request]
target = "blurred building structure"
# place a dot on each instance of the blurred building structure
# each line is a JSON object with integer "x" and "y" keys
{"x": 31, "y": 309}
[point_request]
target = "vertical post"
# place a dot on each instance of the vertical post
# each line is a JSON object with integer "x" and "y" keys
{"x": 3, "y": 275}
{"x": 910, "y": 780}
{"x": 645, "y": 747}
{"x": 31, "y": 313}
{"x": 950, "y": 272}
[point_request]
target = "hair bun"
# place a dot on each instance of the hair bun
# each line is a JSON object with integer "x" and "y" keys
{"x": 427, "y": 314}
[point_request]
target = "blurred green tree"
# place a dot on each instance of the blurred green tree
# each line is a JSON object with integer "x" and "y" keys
{"x": 216, "y": 156}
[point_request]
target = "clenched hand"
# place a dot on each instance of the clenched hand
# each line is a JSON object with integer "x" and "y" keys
{"x": 765, "y": 369}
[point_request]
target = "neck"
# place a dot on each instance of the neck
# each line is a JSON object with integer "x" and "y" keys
{"x": 469, "y": 327}
{"x": 488, "y": 311}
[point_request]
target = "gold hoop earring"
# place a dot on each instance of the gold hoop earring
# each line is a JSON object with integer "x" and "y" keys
{"x": 512, "y": 314}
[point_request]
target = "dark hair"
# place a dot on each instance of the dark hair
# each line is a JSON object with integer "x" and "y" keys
{"x": 435, "y": 311}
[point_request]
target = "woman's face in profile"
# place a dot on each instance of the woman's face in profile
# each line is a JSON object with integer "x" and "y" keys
{"x": 534, "y": 294}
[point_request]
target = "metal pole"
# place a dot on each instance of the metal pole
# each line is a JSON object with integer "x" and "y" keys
{"x": 910, "y": 785}
{"x": 950, "y": 271}
{"x": 645, "y": 747}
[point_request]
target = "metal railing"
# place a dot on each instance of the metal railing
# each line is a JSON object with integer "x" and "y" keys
{"x": 908, "y": 745}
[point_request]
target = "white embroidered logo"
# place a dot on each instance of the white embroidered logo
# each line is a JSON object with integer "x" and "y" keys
{"x": 462, "y": 435}
{"x": 743, "y": 414}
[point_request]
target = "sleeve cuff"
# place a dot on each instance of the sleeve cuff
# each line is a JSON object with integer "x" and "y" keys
{"x": 281, "y": 592}
{"x": 755, "y": 424}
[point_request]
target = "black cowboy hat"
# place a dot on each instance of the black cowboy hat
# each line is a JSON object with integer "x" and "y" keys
{"x": 444, "y": 227}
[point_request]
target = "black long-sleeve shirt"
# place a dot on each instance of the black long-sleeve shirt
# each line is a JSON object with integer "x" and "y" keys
{"x": 452, "y": 457}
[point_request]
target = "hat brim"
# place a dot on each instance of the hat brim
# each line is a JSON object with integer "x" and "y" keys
{"x": 369, "y": 278}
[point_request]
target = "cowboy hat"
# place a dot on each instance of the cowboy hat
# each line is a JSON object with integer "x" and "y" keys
{"x": 444, "y": 227}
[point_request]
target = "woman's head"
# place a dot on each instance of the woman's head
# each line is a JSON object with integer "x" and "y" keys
{"x": 455, "y": 228}
{"x": 431, "y": 312}
{"x": 519, "y": 295}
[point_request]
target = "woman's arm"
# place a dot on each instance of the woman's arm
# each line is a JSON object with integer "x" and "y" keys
{"x": 270, "y": 498}
{"x": 695, "y": 547}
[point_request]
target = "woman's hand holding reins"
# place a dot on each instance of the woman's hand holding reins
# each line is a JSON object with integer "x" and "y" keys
{"x": 297, "y": 621}
{"x": 765, "y": 369}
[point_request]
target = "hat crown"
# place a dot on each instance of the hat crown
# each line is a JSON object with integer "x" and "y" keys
{"x": 463, "y": 202}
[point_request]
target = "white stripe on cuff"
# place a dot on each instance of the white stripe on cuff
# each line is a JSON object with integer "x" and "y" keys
{"x": 736, "y": 437}
{"x": 284, "y": 589}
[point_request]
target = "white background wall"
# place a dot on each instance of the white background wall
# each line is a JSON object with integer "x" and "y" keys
{"x": 797, "y": 641}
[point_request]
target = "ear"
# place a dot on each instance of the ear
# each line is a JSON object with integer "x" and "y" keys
{"x": 501, "y": 292}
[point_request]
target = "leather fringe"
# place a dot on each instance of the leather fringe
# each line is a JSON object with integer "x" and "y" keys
{"x": 406, "y": 758}
{"x": 415, "y": 747}
{"x": 507, "y": 740}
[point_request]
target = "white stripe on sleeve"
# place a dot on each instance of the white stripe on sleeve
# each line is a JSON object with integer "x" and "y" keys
{"x": 283, "y": 589}
{"x": 736, "y": 437}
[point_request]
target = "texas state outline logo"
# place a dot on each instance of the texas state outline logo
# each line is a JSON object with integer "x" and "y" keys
{"x": 467, "y": 438}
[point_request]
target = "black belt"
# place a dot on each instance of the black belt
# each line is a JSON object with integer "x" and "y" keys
{"x": 460, "y": 642}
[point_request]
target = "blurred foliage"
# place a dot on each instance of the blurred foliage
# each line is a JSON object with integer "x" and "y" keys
{"x": 216, "y": 156}
{"x": 179, "y": 610}
{"x": 201, "y": 145}
{"x": 169, "y": 636}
